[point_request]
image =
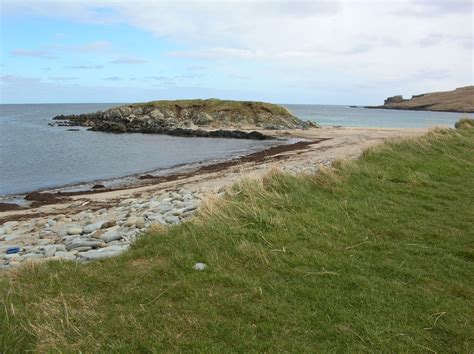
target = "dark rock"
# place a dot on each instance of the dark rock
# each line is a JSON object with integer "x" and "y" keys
{"x": 98, "y": 186}
{"x": 394, "y": 99}
{"x": 147, "y": 176}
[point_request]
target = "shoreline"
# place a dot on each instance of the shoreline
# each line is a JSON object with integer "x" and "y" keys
{"x": 17, "y": 201}
{"x": 89, "y": 225}
{"x": 136, "y": 179}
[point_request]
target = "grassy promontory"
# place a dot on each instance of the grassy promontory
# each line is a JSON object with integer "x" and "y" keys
{"x": 371, "y": 255}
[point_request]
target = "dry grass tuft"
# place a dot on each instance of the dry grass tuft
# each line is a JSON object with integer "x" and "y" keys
{"x": 465, "y": 123}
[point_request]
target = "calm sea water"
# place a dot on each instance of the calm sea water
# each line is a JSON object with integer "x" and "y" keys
{"x": 380, "y": 118}
{"x": 35, "y": 156}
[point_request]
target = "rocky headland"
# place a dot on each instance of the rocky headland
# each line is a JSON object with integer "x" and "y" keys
{"x": 459, "y": 100}
{"x": 193, "y": 118}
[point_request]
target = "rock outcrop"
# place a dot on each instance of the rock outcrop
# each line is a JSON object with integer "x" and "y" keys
{"x": 459, "y": 100}
{"x": 394, "y": 99}
{"x": 197, "y": 118}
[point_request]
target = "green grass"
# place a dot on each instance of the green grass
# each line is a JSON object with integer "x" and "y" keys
{"x": 373, "y": 255}
{"x": 214, "y": 105}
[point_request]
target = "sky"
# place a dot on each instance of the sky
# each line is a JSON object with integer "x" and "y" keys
{"x": 282, "y": 51}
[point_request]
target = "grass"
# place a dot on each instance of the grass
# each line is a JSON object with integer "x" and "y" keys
{"x": 465, "y": 123}
{"x": 215, "y": 105}
{"x": 372, "y": 255}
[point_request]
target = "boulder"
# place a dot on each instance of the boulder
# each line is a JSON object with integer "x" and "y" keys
{"x": 74, "y": 230}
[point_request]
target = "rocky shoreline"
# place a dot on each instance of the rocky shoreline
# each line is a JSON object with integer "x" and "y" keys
{"x": 93, "y": 234}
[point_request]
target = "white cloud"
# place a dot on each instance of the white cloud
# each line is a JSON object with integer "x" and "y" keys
{"x": 319, "y": 43}
{"x": 128, "y": 60}
{"x": 86, "y": 67}
{"x": 41, "y": 53}
{"x": 97, "y": 46}
{"x": 51, "y": 52}
{"x": 217, "y": 53}
{"x": 62, "y": 78}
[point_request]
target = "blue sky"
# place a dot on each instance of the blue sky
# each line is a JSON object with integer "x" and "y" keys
{"x": 326, "y": 52}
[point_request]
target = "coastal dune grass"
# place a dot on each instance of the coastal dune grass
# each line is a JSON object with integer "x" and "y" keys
{"x": 370, "y": 255}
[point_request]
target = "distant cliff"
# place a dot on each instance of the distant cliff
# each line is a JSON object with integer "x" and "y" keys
{"x": 206, "y": 118}
{"x": 458, "y": 100}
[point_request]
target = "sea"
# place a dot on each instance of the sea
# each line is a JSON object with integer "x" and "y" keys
{"x": 34, "y": 155}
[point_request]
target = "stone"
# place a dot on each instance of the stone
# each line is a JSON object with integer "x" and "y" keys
{"x": 12, "y": 256}
{"x": 140, "y": 222}
{"x": 157, "y": 218}
{"x": 102, "y": 253}
{"x": 109, "y": 223}
{"x": 137, "y": 221}
{"x": 111, "y": 235}
{"x": 31, "y": 256}
{"x": 65, "y": 255}
{"x": 171, "y": 219}
{"x": 11, "y": 224}
{"x": 76, "y": 243}
{"x": 177, "y": 212}
{"x": 49, "y": 250}
{"x": 74, "y": 230}
{"x": 200, "y": 266}
{"x": 165, "y": 208}
{"x": 45, "y": 241}
{"x": 189, "y": 207}
{"x": 92, "y": 227}
{"x": 82, "y": 248}
{"x": 178, "y": 204}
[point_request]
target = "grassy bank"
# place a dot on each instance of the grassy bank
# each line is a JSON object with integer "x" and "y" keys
{"x": 373, "y": 255}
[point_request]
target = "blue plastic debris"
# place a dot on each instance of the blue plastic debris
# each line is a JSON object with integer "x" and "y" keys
{"x": 13, "y": 250}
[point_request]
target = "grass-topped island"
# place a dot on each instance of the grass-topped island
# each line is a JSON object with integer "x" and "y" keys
{"x": 196, "y": 118}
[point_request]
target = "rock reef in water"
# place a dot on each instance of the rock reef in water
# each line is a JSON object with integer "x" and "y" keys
{"x": 193, "y": 118}
{"x": 459, "y": 100}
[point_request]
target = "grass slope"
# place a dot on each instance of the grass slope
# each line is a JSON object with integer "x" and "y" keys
{"x": 374, "y": 255}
